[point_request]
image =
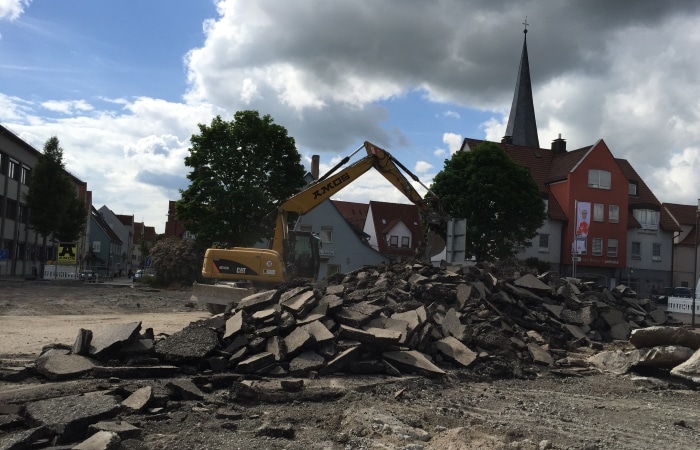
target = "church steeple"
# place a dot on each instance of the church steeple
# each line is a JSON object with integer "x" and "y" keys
{"x": 522, "y": 127}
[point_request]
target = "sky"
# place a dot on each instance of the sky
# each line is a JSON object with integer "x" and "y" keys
{"x": 125, "y": 84}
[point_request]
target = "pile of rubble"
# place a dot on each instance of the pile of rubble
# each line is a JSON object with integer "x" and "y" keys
{"x": 401, "y": 319}
{"x": 409, "y": 318}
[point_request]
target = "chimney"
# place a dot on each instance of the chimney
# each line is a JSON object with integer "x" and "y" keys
{"x": 559, "y": 146}
{"x": 507, "y": 140}
{"x": 315, "y": 159}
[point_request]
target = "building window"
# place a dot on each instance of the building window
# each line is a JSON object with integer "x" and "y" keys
{"x": 333, "y": 269}
{"x": 633, "y": 188}
{"x": 613, "y": 213}
{"x": 598, "y": 179}
{"x": 598, "y": 212}
{"x": 393, "y": 241}
{"x": 13, "y": 170}
{"x": 612, "y": 248}
{"x": 11, "y": 212}
{"x": 647, "y": 218}
{"x": 544, "y": 243}
{"x": 23, "y": 213}
{"x": 326, "y": 235}
{"x": 405, "y": 242}
{"x": 656, "y": 252}
{"x": 636, "y": 250}
{"x": 24, "y": 177}
{"x": 597, "y": 249}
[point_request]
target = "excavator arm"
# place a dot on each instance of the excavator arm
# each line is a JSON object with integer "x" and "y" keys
{"x": 338, "y": 178}
{"x": 295, "y": 254}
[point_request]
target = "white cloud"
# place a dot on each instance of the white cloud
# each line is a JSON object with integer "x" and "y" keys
{"x": 452, "y": 114}
{"x": 422, "y": 167}
{"x": 12, "y": 9}
{"x": 453, "y": 141}
{"x": 67, "y": 107}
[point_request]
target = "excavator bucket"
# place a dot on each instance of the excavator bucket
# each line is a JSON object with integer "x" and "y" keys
{"x": 434, "y": 244}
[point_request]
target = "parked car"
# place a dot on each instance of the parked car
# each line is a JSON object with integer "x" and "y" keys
{"x": 679, "y": 291}
{"x": 88, "y": 276}
{"x": 142, "y": 273}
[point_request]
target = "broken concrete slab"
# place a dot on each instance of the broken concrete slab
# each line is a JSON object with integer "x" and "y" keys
{"x": 81, "y": 346}
{"x": 306, "y": 363}
{"x": 108, "y": 337}
{"x": 234, "y": 325}
{"x": 297, "y": 340}
{"x": 690, "y": 369}
{"x": 531, "y": 282}
{"x": 341, "y": 361}
{"x": 70, "y": 416}
{"x": 256, "y": 302}
{"x": 663, "y": 357}
{"x": 319, "y": 312}
{"x": 463, "y": 293}
{"x": 185, "y": 389}
{"x": 102, "y": 440}
{"x": 371, "y": 336}
{"x": 413, "y": 361}
{"x": 134, "y": 371}
{"x": 451, "y": 325}
{"x": 413, "y": 318}
{"x": 300, "y": 304}
{"x": 57, "y": 365}
{"x": 138, "y": 399}
{"x": 190, "y": 343}
{"x": 318, "y": 331}
{"x": 653, "y": 336}
{"x": 357, "y": 314}
{"x": 539, "y": 354}
{"x": 456, "y": 350}
{"x": 123, "y": 429}
{"x": 256, "y": 363}
{"x": 20, "y": 440}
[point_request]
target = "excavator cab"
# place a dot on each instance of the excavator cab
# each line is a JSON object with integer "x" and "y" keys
{"x": 301, "y": 255}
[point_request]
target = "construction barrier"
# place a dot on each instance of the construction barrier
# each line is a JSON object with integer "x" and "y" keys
{"x": 682, "y": 305}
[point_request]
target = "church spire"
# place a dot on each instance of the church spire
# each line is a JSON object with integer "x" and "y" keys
{"x": 522, "y": 127}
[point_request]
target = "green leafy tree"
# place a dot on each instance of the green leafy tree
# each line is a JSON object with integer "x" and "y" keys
{"x": 177, "y": 260}
{"x": 54, "y": 207}
{"x": 240, "y": 171}
{"x": 498, "y": 197}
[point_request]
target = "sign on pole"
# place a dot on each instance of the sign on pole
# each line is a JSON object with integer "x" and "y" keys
{"x": 67, "y": 253}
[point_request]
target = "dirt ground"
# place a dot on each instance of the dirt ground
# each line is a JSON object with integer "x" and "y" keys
{"x": 459, "y": 411}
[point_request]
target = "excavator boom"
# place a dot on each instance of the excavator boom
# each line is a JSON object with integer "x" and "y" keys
{"x": 295, "y": 254}
{"x": 338, "y": 178}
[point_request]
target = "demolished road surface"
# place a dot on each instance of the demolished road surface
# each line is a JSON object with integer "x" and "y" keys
{"x": 402, "y": 356}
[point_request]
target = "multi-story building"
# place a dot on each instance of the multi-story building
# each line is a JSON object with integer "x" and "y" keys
{"x": 22, "y": 250}
{"x": 104, "y": 249}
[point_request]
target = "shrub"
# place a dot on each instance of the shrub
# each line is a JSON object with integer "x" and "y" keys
{"x": 176, "y": 260}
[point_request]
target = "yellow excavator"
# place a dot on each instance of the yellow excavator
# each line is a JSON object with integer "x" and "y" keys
{"x": 294, "y": 254}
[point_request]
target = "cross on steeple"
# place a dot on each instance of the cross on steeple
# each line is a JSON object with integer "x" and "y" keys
{"x": 526, "y": 24}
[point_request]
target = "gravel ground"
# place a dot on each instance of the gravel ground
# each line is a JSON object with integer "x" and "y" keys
{"x": 460, "y": 411}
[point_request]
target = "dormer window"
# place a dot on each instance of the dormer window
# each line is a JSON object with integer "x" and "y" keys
{"x": 633, "y": 188}
{"x": 647, "y": 218}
